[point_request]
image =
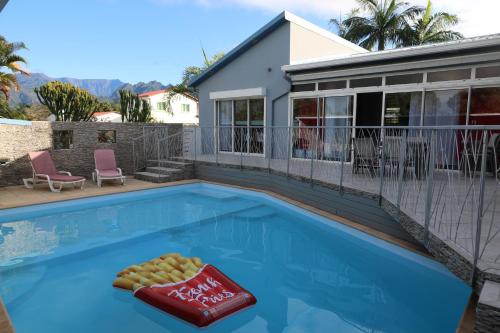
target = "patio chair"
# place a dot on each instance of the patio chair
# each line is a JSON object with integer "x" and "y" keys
{"x": 365, "y": 154}
{"x": 44, "y": 171}
{"x": 105, "y": 167}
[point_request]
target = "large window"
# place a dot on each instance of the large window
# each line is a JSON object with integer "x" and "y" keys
{"x": 319, "y": 127}
{"x": 485, "y": 106}
{"x": 403, "y": 109}
{"x": 241, "y": 125}
{"x": 445, "y": 107}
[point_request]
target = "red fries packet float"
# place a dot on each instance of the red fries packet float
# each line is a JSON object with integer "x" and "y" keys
{"x": 201, "y": 300}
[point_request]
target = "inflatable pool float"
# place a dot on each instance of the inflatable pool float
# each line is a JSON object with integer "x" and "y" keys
{"x": 186, "y": 288}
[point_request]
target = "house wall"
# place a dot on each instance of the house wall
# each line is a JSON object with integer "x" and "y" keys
{"x": 251, "y": 70}
{"x": 177, "y": 116}
{"x": 17, "y": 140}
{"x": 307, "y": 44}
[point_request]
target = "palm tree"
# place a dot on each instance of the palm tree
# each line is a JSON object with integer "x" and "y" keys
{"x": 382, "y": 25}
{"x": 10, "y": 60}
{"x": 430, "y": 28}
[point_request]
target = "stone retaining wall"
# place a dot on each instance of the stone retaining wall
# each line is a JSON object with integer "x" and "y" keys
{"x": 17, "y": 140}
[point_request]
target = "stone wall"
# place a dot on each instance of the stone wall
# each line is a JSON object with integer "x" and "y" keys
{"x": 17, "y": 140}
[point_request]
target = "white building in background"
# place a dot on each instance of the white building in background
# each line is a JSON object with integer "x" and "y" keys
{"x": 184, "y": 107}
{"x": 107, "y": 117}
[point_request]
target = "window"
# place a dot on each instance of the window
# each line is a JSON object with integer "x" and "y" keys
{"x": 485, "y": 106}
{"x": 185, "y": 107}
{"x": 445, "y": 107}
{"x": 403, "y": 109}
{"x": 331, "y": 85}
{"x": 162, "y": 106}
{"x": 106, "y": 136}
{"x": 241, "y": 125}
{"x": 316, "y": 124}
{"x": 449, "y": 75}
{"x": 486, "y": 72}
{"x": 63, "y": 139}
{"x": 404, "y": 79}
{"x": 366, "y": 82}
{"x": 304, "y": 87}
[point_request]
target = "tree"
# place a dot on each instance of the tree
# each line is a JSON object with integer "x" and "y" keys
{"x": 430, "y": 27}
{"x": 133, "y": 108}
{"x": 382, "y": 25}
{"x": 12, "y": 113}
{"x": 9, "y": 61}
{"x": 189, "y": 74}
{"x": 67, "y": 102}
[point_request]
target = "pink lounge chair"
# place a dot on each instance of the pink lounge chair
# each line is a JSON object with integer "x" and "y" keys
{"x": 44, "y": 171}
{"x": 105, "y": 167}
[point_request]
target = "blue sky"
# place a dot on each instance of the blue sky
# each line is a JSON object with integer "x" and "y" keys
{"x": 144, "y": 40}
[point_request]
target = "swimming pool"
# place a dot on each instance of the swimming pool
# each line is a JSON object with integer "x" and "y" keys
{"x": 309, "y": 274}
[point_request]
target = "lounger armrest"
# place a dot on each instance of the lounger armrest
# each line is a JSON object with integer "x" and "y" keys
{"x": 96, "y": 172}
{"x": 64, "y": 172}
{"x": 120, "y": 171}
{"x": 42, "y": 175}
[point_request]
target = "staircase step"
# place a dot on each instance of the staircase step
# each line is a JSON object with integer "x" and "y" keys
{"x": 152, "y": 177}
{"x": 163, "y": 170}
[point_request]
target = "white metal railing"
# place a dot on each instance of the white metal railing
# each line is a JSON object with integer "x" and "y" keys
{"x": 445, "y": 178}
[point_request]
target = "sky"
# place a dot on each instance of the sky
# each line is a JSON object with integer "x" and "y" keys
{"x": 145, "y": 40}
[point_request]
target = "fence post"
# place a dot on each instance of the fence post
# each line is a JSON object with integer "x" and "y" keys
{"x": 342, "y": 162}
{"x": 288, "y": 145}
{"x": 241, "y": 146}
{"x": 382, "y": 166}
{"x": 430, "y": 181}
{"x": 479, "y": 220}
{"x": 401, "y": 168}
{"x": 270, "y": 150}
{"x": 158, "y": 146}
{"x": 195, "y": 143}
{"x": 312, "y": 159}
{"x": 216, "y": 146}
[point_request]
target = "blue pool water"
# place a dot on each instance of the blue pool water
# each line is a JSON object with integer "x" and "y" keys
{"x": 309, "y": 274}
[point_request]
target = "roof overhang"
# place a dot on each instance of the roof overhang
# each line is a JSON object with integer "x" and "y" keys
{"x": 460, "y": 48}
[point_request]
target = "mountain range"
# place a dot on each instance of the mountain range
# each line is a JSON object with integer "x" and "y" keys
{"x": 102, "y": 88}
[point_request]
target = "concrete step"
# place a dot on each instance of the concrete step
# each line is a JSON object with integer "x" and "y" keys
{"x": 170, "y": 164}
{"x": 163, "y": 170}
{"x": 152, "y": 177}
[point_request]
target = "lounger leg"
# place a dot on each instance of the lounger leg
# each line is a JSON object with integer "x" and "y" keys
{"x": 99, "y": 182}
{"x": 53, "y": 189}
{"x": 82, "y": 184}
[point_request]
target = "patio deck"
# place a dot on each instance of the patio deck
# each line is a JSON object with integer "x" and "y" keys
{"x": 18, "y": 196}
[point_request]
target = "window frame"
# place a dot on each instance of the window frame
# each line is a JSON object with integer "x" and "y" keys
{"x": 248, "y": 126}
{"x": 71, "y": 141}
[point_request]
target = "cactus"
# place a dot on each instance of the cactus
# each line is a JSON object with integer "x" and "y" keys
{"x": 132, "y": 108}
{"x": 67, "y": 102}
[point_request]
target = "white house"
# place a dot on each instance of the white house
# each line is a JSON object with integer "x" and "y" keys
{"x": 107, "y": 117}
{"x": 183, "y": 107}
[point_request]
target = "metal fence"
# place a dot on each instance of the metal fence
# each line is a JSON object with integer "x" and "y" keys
{"x": 447, "y": 179}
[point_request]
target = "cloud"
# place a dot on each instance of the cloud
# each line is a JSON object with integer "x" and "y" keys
{"x": 477, "y": 18}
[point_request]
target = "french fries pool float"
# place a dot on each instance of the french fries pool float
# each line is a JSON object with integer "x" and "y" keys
{"x": 185, "y": 287}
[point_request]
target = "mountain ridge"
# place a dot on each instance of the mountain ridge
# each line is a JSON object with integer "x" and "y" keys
{"x": 104, "y": 89}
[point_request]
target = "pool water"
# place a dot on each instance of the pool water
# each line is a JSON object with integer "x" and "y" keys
{"x": 309, "y": 274}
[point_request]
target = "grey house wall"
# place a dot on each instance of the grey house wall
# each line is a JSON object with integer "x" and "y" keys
{"x": 251, "y": 70}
